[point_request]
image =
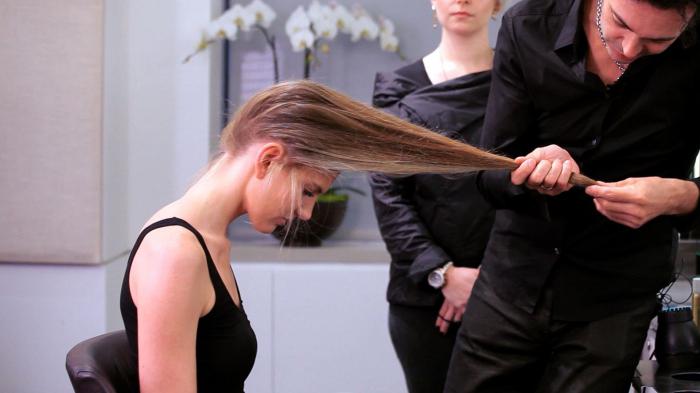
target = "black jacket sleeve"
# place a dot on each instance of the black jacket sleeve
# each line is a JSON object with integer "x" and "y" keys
{"x": 406, "y": 237}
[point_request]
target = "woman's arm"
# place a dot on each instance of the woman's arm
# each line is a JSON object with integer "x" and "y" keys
{"x": 170, "y": 286}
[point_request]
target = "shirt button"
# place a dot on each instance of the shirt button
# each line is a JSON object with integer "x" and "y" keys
{"x": 556, "y": 251}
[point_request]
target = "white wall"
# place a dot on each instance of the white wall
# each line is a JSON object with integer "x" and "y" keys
{"x": 168, "y": 102}
{"x": 155, "y": 138}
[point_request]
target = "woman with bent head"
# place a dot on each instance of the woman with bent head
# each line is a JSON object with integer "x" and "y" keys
{"x": 183, "y": 314}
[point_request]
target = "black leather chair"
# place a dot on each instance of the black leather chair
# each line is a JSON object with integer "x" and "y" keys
{"x": 103, "y": 364}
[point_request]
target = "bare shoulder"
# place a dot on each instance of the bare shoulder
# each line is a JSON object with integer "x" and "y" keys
{"x": 174, "y": 243}
{"x": 169, "y": 261}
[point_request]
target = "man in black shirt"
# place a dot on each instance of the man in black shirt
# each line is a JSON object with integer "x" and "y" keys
{"x": 610, "y": 88}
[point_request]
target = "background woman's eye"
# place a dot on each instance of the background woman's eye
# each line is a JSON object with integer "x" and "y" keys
{"x": 308, "y": 193}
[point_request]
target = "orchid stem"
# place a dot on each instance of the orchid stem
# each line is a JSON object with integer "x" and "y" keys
{"x": 270, "y": 39}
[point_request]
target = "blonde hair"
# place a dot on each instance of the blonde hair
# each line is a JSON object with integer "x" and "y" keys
{"x": 328, "y": 131}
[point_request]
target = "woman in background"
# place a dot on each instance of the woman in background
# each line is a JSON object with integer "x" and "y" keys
{"x": 182, "y": 311}
{"x": 436, "y": 228}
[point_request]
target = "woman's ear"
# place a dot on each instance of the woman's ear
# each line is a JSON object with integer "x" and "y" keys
{"x": 497, "y": 7}
{"x": 268, "y": 154}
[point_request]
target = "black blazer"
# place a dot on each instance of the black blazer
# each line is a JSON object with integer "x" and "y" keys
{"x": 427, "y": 220}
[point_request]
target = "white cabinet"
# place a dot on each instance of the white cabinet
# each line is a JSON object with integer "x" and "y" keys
{"x": 321, "y": 325}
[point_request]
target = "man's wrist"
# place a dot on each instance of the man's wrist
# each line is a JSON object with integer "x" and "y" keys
{"x": 689, "y": 192}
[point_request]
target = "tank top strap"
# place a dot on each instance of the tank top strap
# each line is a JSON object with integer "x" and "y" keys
{"x": 219, "y": 286}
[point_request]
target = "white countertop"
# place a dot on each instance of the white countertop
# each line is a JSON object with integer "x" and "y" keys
{"x": 356, "y": 251}
{"x": 339, "y": 251}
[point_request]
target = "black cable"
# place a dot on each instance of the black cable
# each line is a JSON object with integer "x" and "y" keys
{"x": 663, "y": 294}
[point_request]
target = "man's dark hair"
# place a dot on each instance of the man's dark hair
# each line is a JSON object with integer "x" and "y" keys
{"x": 690, "y": 35}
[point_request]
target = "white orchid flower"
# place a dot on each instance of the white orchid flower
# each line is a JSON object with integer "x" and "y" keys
{"x": 342, "y": 16}
{"x": 324, "y": 20}
{"x": 315, "y": 12}
{"x": 240, "y": 16}
{"x": 388, "y": 42}
{"x": 326, "y": 28}
{"x": 212, "y": 31}
{"x": 364, "y": 27}
{"x": 298, "y": 21}
{"x": 264, "y": 14}
{"x": 220, "y": 28}
{"x": 230, "y": 31}
{"x": 386, "y": 26}
{"x": 302, "y": 39}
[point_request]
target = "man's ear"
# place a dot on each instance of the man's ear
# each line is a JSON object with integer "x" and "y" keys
{"x": 270, "y": 153}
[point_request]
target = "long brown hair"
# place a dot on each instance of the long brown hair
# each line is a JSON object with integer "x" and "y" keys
{"x": 328, "y": 131}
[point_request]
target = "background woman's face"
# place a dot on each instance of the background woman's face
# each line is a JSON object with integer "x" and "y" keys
{"x": 464, "y": 17}
{"x": 279, "y": 201}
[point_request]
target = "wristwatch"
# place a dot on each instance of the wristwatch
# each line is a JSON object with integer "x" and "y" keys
{"x": 436, "y": 278}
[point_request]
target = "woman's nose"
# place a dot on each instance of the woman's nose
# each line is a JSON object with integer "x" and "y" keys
{"x": 304, "y": 213}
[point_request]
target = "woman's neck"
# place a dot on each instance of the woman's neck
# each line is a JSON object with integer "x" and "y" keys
{"x": 217, "y": 198}
{"x": 466, "y": 51}
{"x": 458, "y": 55}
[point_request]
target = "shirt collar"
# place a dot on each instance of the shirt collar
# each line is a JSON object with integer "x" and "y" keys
{"x": 569, "y": 45}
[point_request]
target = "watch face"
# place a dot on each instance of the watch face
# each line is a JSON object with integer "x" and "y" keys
{"x": 436, "y": 279}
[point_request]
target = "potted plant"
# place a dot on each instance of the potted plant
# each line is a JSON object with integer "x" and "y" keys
{"x": 326, "y": 217}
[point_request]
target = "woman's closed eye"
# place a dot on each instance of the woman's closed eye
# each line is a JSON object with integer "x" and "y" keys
{"x": 312, "y": 190}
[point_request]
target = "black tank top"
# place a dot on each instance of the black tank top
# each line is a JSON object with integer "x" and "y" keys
{"x": 226, "y": 344}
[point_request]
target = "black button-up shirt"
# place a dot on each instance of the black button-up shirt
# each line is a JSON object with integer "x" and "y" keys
{"x": 646, "y": 124}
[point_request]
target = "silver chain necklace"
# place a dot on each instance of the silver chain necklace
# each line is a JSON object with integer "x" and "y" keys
{"x": 598, "y": 15}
